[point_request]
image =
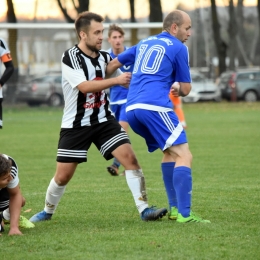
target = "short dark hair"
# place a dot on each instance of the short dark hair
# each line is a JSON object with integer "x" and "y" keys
{"x": 5, "y": 165}
{"x": 115, "y": 27}
{"x": 173, "y": 17}
{"x": 84, "y": 19}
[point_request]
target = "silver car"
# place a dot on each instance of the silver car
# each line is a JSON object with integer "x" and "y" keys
{"x": 202, "y": 89}
{"x": 45, "y": 89}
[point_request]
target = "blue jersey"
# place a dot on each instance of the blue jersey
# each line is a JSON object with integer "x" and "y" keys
{"x": 159, "y": 61}
{"x": 118, "y": 94}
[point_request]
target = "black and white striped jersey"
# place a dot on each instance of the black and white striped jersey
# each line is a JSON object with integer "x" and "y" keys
{"x": 83, "y": 109}
{"x": 3, "y": 51}
{"x": 4, "y": 197}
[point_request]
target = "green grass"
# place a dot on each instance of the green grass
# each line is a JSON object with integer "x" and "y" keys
{"x": 97, "y": 218}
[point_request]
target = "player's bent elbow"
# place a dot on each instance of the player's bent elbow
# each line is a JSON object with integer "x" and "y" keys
{"x": 185, "y": 89}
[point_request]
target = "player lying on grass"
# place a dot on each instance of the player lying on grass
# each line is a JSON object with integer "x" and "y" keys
{"x": 11, "y": 199}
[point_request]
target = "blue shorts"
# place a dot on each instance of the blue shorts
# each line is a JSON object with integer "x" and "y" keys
{"x": 119, "y": 112}
{"x": 159, "y": 129}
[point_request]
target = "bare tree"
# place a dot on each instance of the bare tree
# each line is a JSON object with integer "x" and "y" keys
{"x": 155, "y": 15}
{"x": 232, "y": 30}
{"x": 258, "y": 9}
{"x": 134, "y": 38}
{"x": 221, "y": 46}
{"x": 12, "y": 40}
{"x": 83, "y": 5}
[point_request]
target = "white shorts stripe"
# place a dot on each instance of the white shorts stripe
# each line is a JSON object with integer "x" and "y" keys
{"x": 71, "y": 153}
{"x": 105, "y": 147}
{"x": 173, "y": 137}
{"x": 166, "y": 119}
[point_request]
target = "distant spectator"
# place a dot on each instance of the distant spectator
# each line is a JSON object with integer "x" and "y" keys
{"x": 6, "y": 59}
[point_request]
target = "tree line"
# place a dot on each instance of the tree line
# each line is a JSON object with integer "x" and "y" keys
{"x": 223, "y": 41}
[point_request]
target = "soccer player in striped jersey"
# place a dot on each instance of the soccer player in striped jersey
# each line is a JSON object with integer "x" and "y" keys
{"x": 11, "y": 199}
{"x": 6, "y": 59}
{"x": 160, "y": 61}
{"x": 87, "y": 119}
{"x": 118, "y": 94}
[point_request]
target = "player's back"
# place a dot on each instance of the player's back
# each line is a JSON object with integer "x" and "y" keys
{"x": 156, "y": 66}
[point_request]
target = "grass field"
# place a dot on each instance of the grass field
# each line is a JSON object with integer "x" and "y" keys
{"x": 97, "y": 218}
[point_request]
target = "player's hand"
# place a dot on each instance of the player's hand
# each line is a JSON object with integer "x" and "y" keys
{"x": 14, "y": 231}
{"x": 124, "y": 79}
{"x": 175, "y": 89}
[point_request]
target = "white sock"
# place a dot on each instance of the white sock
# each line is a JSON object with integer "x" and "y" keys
{"x": 53, "y": 196}
{"x": 6, "y": 214}
{"x": 136, "y": 183}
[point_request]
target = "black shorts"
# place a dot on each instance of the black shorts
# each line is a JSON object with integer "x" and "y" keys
{"x": 4, "y": 199}
{"x": 75, "y": 142}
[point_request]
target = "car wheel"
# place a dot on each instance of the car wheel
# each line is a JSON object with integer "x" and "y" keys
{"x": 55, "y": 100}
{"x": 250, "y": 96}
{"x": 33, "y": 103}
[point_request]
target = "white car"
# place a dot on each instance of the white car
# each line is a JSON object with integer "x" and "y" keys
{"x": 202, "y": 89}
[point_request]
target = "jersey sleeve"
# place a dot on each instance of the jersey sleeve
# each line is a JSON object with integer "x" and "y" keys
{"x": 72, "y": 69}
{"x": 127, "y": 57}
{"x": 5, "y": 55}
{"x": 14, "y": 172}
{"x": 182, "y": 66}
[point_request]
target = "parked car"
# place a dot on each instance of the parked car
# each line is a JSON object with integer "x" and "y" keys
{"x": 45, "y": 89}
{"x": 202, "y": 89}
{"x": 243, "y": 84}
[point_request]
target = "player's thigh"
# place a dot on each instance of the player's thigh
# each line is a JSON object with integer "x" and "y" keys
{"x": 108, "y": 137}
{"x": 126, "y": 156}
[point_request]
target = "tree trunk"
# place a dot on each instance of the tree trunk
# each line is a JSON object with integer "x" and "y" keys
{"x": 155, "y": 15}
{"x": 221, "y": 46}
{"x": 134, "y": 38}
{"x": 232, "y": 31}
{"x": 12, "y": 40}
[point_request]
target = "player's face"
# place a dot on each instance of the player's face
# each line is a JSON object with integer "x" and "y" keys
{"x": 116, "y": 40}
{"x": 184, "y": 30}
{"x": 94, "y": 37}
{"x": 5, "y": 179}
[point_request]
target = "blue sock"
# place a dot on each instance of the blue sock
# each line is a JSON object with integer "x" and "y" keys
{"x": 182, "y": 182}
{"x": 167, "y": 174}
{"x": 116, "y": 163}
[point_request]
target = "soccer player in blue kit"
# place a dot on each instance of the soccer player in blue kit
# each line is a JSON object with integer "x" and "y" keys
{"x": 118, "y": 93}
{"x": 159, "y": 61}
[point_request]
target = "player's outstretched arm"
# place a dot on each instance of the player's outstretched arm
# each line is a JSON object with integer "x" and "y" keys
{"x": 92, "y": 86}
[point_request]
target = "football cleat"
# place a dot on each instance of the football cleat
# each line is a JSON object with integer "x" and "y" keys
{"x": 40, "y": 216}
{"x": 23, "y": 222}
{"x": 113, "y": 170}
{"x": 152, "y": 213}
{"x": 192, "y": 218}
{"x": 173, "y": 214}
